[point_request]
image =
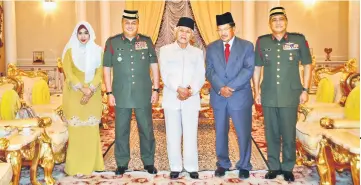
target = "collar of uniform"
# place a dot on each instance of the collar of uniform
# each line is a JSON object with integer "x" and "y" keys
{"x": 136, "y": 38}
{"x": 285, "y": 37}
{"x": 176, "y": 45}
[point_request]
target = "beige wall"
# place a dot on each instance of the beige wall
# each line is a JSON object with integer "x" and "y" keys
{"x": 93, "y": 18}
{"x": 41, "y": 31}
{"x": 116, "y": 11}
{"x": 325, "y": 24}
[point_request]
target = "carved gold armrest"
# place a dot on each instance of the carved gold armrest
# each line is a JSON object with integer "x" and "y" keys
{"x": 44, "y": 122}
{"x": 327, "y": 123}
{"x": 32, "y": 122}
{"x": 4, "y": 143}
{"x": 303, "y": 109}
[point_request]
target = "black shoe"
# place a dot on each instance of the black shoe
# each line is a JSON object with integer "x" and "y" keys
{"x": 174, "y": 175}
{"x": 151, "y": 169}
{"x": 288, "y": 176}
{"x": 243, "y": 174}
{"x": 120, "y": 170}
{"x": 220, "y": 172}
{"x": 271, "y": 174}
{"x": 194, "y": 175}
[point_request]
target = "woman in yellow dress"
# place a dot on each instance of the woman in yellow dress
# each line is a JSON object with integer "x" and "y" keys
{"x": 82, "y": 104}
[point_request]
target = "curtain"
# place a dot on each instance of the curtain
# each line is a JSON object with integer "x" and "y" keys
{"x": 205, "y": 15}
{"x": 150, "y": 16}
{"x": 172, "y": 12}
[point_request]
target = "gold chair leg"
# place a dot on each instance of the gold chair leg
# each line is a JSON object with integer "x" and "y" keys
{"x": 34, "y": 164}
{"x": 355, "y": 169}
{"x": 325, "y": 164}
{"x": 14, "y": 158}
{"x": 47, "y": 159}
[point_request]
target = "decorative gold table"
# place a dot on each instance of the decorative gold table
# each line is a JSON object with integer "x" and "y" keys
{"x": 22, "y": 148}
{"x": 339, "y": 150}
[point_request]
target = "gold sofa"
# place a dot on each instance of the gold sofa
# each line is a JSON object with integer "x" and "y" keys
{"x": 321, "y": 119}
{"x": 57, "y": 132}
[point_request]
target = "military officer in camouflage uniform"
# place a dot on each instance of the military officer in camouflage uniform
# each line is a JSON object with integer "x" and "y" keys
{"x": 131, "y": 55}
{"x": 281, "y": 92}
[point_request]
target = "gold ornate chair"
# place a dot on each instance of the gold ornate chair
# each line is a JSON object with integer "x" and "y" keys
{"x": 338, "y": 77}
{"x": 324, "y": 120}
{"x": 8, "y": 84}
{"x": 58, "y": 131}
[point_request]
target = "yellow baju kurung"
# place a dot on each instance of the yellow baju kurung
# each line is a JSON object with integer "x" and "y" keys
{"x": 84, "y": 154}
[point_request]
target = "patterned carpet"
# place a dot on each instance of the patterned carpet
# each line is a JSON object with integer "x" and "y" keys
{"x": 258, "y": 136}
{"x": 303, "y": 174}
{"x": 206, "y": 149}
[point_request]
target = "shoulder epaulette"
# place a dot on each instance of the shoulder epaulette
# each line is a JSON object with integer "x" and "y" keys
{"x": 295, "y": 33}
{"x": 110, "y": 43}
{"x": 263, "y": 36}
{"x": 144, "y": 36}
{"x": 114, "y": 36}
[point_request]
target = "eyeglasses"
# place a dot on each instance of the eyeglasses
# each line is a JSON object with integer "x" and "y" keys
{"x": 226, "y": 29}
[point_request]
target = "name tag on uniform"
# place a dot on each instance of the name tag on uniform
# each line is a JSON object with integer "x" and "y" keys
{"x": 290, "y": 46}
{"x": 141, "y": 45}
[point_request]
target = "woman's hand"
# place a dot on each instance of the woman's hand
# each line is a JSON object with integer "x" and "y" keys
{"x": 84, "y": 100}
{"x": 86, "y": 91}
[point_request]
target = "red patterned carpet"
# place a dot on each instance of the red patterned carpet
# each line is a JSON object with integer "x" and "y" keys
{"x": 303, "y": 174}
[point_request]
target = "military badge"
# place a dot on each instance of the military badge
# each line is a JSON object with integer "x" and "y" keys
{"x": 119, "y": 59}
{"x": 290, "y": 46}
{"x": 267, "y": 60}
{"x": 141, "y": 45}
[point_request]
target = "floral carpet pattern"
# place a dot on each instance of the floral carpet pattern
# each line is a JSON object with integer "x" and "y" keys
{"x": 303, "y": 175}
{"x": 206, "y": 149}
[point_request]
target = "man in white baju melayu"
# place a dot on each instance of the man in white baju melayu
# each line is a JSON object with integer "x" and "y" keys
{"x": 183, "y": 74}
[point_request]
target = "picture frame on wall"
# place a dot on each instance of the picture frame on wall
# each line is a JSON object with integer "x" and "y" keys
{"x": 38, "y": 57}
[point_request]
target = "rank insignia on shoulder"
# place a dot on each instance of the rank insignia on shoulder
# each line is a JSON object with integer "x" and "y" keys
{"x": 141, "y": 45}
{"x": 290, "y": 46}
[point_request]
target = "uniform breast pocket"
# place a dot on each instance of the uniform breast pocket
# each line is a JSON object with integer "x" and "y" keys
{"x": 266, "y": 57}
{"x": 119, "y": 55}
{"x": 293, "y": 57}
{"x": 143, "y": 55}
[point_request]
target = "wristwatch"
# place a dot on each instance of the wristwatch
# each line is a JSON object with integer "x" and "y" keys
{"x": 156, "y": 90}
{"x": 107, "y": 93}
{"x": 305, "y": 89}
